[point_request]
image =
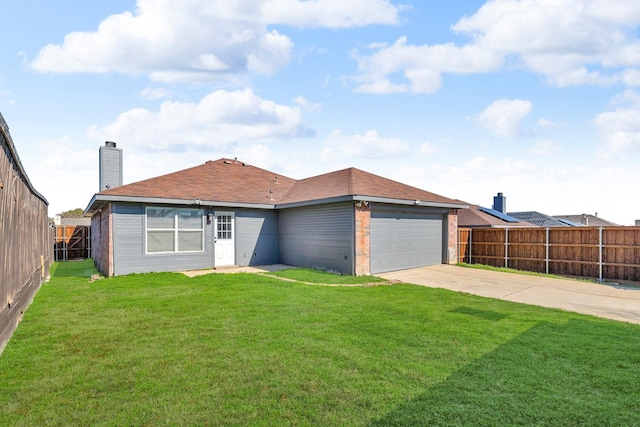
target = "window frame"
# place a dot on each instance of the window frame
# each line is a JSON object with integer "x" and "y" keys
{"x": 175, "y": 229}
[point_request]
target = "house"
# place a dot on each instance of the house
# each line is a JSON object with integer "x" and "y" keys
{"x": 586, "y": 219}
{"x": 480, "y": 217}
{"x": 531, "y": 217}
{"x": 542, "y": 220}
{"x": 227, "y": 212}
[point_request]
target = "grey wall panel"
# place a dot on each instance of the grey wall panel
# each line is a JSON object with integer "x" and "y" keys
{"x": 257, "y": 240}
{"x": 110, "y": 171}
{"x": 402, "y": 238}
{"x": 318, "y": 237}
{"x": 129, "y": 245}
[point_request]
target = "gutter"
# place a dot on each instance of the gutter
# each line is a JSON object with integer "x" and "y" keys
{"x": 99, "y": 200}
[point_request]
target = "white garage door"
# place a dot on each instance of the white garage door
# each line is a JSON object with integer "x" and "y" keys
{"x": 405, "y": 239}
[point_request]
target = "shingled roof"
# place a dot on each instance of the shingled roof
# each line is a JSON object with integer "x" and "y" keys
{"x": 475, "y": 217}
{"x": 232, "y": 182}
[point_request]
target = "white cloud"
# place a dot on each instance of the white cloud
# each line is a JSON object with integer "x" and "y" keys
{"x": 306, "y": 105}
{"x": 74, "y": 164}
{"x": 421, "y": 67}
{"x": 427, "y": 149}
{"x": 620, "y": 129}
{"x": 546, "y": 123}
{"x": 203, "y": 41}
{"x": 330, "y": 13}
{"x": 571, "y": 42}
{"x": 544, "y": 147}
{"x": 218, "y": 122}
{"x": 155, "y": 93}
{"x": 503, "y": 116}
{"x": 369, "y": 145}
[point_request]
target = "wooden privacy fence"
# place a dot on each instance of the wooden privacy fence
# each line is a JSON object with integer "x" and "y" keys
{"x": 604, "y": 253}
{"x": 72, "y": 242}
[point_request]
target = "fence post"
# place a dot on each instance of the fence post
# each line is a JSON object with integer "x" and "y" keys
{"x": 546, "y": 256}
{"x": 470, "y": 243}
{"x": 89, "y": 248}
{"x": 600, "y": 254}
{"x": 506, "y": 248}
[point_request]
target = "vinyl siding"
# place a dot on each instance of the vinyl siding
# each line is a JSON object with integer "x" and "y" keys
{"x": 257, "y": 238}
{"x": 110, "y": 167}
{"x": 318, "y": 237}
{"x": 129, "y": 245}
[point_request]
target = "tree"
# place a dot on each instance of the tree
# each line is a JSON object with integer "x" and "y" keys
{"x": 73, "y": 213}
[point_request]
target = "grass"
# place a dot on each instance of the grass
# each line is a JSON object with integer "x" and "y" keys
{"x": 242, "y": 349}
{"x": 522, "y": 272}
{"x": 309, "y": 275}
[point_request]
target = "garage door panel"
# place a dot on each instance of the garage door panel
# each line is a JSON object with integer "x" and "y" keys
{"x": 401, "y": 240}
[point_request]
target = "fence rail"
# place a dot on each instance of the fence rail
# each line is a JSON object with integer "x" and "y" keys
{"x": 603, "y": 253}
{"x": 72, "y": 242}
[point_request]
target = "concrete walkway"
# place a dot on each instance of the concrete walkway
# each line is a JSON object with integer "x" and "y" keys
{"x": 611, "y": 302}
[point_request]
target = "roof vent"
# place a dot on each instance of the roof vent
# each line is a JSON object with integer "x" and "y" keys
{"x": 277, "y": 182}
{"x": 227, "y": 162}
{"x": 246, "y": 165}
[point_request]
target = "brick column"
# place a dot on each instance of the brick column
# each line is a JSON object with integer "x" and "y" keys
{"x": 452, "y": 239}
{"x": 363, "y": 221}
{"x": 102, "y": 240}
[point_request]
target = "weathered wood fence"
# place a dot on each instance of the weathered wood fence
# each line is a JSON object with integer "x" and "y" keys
{"x": 603, "y": 253}
{"x": 72, "y": 242}
{"x": 25, "y": 243}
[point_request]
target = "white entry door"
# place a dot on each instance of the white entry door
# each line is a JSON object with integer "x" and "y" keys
{"x": 224, "y": 238}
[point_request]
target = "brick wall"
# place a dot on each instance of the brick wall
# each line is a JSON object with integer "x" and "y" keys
{"x": 452, "y": 236}
{"x": 102, "y": 245}
{"x": 363, "y": 221}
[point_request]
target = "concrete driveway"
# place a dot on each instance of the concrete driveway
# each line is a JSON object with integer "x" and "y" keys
{"x": 611, "y": 302}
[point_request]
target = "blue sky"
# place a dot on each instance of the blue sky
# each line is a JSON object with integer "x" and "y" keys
{"x": 536, "y": 99}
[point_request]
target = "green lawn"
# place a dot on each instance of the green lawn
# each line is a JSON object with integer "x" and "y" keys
{"x": 243, "y": 349}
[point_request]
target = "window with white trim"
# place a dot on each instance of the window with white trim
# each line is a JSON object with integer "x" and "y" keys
{"x": 174, "y": 230}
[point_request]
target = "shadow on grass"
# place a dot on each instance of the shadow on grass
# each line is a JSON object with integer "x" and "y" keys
{"x": 579, "y": 373}
{"x": 83, "y": 269}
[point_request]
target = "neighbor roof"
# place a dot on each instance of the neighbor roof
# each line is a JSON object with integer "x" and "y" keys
{"x": 538, "y": 218}
{"x": 476, "y": 216}
{"x": 586, "y": 219}
{"x": 233, "y": 183}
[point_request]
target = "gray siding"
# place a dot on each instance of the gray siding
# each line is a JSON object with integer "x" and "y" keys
{"x": 110, "y": 160}
{"x": 318, "y": 237}
{"x": 256, "y": 234}
{"x": 402, "y": 238}
{"x": 257, "y": 241}
{"x": 129, "y": 245}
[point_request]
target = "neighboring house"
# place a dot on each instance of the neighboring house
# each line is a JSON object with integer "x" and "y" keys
{"x": 58, "y": 220}
{"x": 226, "y": 212}
{"x": 542, "y": 220}
{"x": 480, "y": 217}
{"x": 586, "y": 219}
